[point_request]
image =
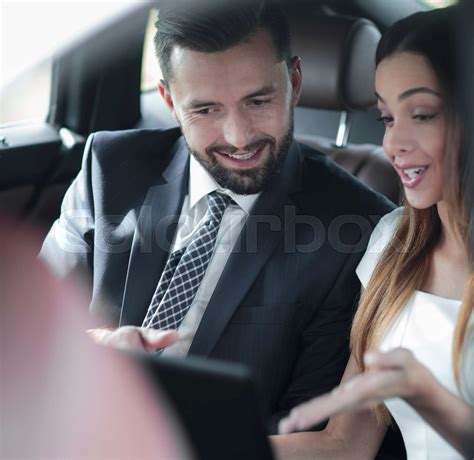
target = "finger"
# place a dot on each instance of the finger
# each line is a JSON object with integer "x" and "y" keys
{"x": 98, "y": 334}
{"x": 368, "y": 389}
{"x": 307, "y": 414}
{"x": 310, "y": 413}
{"x": 360, "y": 393}
{"x": 286, "y": 425}
{"x": 396, "y": 358}
{"x": 126, "y": 337}
{"x": 153, "y": 339}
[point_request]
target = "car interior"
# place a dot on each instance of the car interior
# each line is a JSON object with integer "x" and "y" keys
{"x": 96, "y": 85}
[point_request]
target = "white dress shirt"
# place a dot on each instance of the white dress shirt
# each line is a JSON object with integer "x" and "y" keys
{"x": 194, "y": 211}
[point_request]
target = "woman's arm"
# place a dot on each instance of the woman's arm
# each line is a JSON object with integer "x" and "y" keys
{"x": 446, "y": 413}
{"x": 395, "y": 374}
{"x": 347, "y": 435}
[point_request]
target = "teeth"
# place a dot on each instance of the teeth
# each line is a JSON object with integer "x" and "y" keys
{"x": 413, "y": 172}
{"x": 247, "y": 156}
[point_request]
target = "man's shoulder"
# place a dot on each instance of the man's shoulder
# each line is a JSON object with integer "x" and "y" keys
{"x": 122, "y": 165}
{"x": 138, "y": 135}
{"x": 332, "y": 186}
{"x": 112, "y": 145}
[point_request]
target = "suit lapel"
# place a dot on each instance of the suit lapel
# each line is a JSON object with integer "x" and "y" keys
{"x": 153, "y": 236}
{"x": 259, "y": 237}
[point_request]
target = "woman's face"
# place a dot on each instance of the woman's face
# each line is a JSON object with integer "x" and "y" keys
{"x": 411, "y": 105}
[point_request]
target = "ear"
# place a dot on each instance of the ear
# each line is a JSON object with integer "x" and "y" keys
{"x": 296, "y": 78}
{"x": 163, "y": 88}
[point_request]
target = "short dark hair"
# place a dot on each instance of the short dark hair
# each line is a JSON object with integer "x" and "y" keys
{"x": 213, "y": 26}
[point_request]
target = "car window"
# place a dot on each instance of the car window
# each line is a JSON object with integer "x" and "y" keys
{"x": 151, "y": 72}
{"x": 438, "y": 3}
{"x": 27, "y": 97}
{"x": 28, "y": 47}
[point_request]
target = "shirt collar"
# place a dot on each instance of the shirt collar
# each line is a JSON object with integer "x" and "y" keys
{"x": 201, "y": 183}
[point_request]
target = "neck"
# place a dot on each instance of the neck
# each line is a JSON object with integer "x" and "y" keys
{"x": 450, "y": 238}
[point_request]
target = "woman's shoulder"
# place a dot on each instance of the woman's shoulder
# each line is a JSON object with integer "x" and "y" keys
{"x": 380, "y": 238}
{"x": 467, "y": 361}
{"x": 385, "y": 229}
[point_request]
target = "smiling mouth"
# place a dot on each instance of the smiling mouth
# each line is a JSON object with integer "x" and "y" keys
{"x": 411, "y": 173}
{"x": 243, "y": 160}
{"x": 411, "y": 177}
{"x": 241, "y": 157}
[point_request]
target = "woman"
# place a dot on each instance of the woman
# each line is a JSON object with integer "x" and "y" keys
{"x": 417, "y": 303}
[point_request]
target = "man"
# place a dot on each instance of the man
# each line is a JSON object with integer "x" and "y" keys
{"x": 225, "y": 229}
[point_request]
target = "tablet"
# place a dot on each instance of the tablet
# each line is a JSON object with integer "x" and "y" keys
{"x": 216, "y": 403}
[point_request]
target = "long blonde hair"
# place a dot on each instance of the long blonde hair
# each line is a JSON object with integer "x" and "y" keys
{"x": 406, "y": 260}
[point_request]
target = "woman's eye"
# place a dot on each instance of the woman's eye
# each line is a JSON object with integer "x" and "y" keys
{"x": 424, "y": 116}
{"x": 385, "y": 119}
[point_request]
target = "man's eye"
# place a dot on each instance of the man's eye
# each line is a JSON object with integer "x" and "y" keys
{"x": 205, "y": 111}
{"x": 259, "y": 102}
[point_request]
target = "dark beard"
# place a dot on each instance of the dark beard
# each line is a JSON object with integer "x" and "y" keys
{"x": 251, "y": 181}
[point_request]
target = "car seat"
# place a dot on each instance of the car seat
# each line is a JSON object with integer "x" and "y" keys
{"x": 338, "y": 62}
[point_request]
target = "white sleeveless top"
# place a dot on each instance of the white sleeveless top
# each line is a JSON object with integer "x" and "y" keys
{"x": 425, "y": 326}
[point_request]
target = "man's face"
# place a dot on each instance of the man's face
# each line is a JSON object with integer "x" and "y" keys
{"x": 235, "y": 109}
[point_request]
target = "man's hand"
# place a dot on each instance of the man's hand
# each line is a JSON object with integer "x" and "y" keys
{"x": 133, "y": 338}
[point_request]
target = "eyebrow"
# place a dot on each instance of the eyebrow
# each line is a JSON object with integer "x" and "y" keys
{"x": 410, "y": 92}
{"x": 265, "y": 91}
{"x": 197, "y": 104}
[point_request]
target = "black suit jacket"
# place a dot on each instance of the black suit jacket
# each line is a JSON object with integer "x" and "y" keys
{"x": 284, "y": 302}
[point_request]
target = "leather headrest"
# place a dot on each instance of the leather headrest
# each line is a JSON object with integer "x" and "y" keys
{"x": 338, "y": 61}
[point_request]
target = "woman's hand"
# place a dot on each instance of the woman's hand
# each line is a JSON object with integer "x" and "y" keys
{"x": 392, "y": 374}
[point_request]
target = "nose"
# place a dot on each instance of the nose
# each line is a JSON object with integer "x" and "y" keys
{"x": 398, "y": 140}
{"x": 238, "y": 129}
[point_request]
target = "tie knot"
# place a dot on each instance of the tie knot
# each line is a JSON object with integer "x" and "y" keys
{"x": 217, "y": 202}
